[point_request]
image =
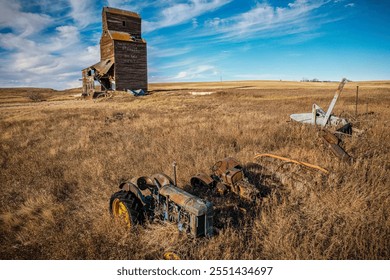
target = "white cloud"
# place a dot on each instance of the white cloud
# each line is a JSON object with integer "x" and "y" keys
{"x": 181, "y": 75}
{"x": 179, "y": 63}
{"x": 215, "y": 22}
{"x": 24, "y": 23}
{"x": 66, "y": 36}
{"x": 154, "y": 51}
{"x": 264, "y": 20}
{"x": 200, "y": 71}
{"x": 138, "y": 6}
{"x": 130, "y": 5}
{"x": 195, "y": 23}
{"x": 180, "y": 13}
{"x": 259, "y": 77}
{"x": 83, "y": 12}
{"x": 11, "y": 41}
{"x": 350, "y": 5}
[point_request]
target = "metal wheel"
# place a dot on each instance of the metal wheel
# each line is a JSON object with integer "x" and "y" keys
{"x": 125, "y": 207}
{"x": 171, "y": 256}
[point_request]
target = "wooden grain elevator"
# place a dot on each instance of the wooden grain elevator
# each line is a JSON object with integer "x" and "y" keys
{"x": 123, "y": 54}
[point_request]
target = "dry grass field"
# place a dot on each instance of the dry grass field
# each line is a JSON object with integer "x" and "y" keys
{"x": 62, "y": 158}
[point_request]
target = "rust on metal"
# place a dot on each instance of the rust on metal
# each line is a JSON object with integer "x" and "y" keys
{"x": 228, "y": 175}
{"x": 228, "y": 163}
{"x": 339, "y": 152}
{"x": 333, "y": 143}
{"x": 162, "y": 179}
{"x": 189, "y": 202}
{"x": 330, "y": 137}
{"x": 133, "y": 188}
{"x": 143, "y": 182}
{"x": 201, "y": 178}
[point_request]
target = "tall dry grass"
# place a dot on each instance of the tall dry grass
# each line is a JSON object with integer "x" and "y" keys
{"x": 60, "y": 161}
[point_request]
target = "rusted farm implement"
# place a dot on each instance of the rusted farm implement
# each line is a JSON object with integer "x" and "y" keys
{"x": 227, "y": 176}
{"x": 332, "y": 127}
{"x": 158, "y": 197}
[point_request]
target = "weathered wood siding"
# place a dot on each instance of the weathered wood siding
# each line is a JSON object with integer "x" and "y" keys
{"x": 106, "y": 46}
{"x": 130, "y": 65}
{"x": 123, "y": 23}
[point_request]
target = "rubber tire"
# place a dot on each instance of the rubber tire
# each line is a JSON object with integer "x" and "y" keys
{"x": 132, "y": 204}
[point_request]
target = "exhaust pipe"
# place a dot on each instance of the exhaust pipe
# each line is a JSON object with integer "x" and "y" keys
{"x": 174, "y": 173}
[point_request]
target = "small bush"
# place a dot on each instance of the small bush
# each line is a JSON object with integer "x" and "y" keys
{"x": 35, "y": 97}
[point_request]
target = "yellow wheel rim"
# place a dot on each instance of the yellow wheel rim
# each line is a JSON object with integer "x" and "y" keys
{"x": 120, "y": 211}
{"x": 171, "y": 256}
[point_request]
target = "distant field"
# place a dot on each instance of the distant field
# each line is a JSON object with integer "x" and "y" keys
{"x": 62, "y": 157}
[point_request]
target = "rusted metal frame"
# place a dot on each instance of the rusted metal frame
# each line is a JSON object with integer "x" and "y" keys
{"x": 334, "y": 144}
{"x": 339, "y": 152}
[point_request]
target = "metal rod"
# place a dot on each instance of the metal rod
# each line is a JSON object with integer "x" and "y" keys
{"x": 333, "y": 103}
{"x": 174, "y": 172}
{"x": 356, "y": 101}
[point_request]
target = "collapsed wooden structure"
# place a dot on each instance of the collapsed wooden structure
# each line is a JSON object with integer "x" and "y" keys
{"x": 123, "y": 55}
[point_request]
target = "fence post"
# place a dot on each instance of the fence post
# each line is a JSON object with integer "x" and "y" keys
{"x": 356, "y": 101}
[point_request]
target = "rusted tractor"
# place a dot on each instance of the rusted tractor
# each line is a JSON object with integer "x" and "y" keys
{"x": 227, "y": 176}
{"x": 158, "y": 198}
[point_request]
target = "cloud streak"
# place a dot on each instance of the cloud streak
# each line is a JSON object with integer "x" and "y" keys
{"x": 197, "y": 72}
{"x": 180, "y": 13}
{"x": 156, "y": 52}
{"x": 83, "y": 12}
{"x": 264, "y": 20}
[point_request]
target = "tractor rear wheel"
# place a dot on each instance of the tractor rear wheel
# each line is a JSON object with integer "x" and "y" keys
{"x": 126, "y": 207}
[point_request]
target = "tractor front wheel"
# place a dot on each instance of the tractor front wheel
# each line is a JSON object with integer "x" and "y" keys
{"x": 126, "y": 207}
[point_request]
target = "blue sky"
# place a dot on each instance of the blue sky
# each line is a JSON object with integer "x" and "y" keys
{"x": 46, "y": 43}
